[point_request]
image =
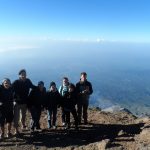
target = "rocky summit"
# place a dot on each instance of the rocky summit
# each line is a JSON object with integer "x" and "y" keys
{"x": 105, "y": 130}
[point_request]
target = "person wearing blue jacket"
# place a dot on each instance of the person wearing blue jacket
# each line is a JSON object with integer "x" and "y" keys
{"x": 6, "y": 107}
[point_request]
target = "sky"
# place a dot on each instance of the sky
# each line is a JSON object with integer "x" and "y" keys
{"x": 26, "y": 23}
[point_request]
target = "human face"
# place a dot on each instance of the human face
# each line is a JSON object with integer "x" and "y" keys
{"x": 71, "y": 89}
{"x": 41, "y": 87}
{"x": 65, "y": 81}
{"x": 53, "y": 88}
{"x": 83, "y": 77}
{"x": 6, "y": 84}
{"x": 22, "y": 76}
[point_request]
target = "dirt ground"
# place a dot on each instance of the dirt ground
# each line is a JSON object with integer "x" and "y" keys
{"x": 104, "y": 131}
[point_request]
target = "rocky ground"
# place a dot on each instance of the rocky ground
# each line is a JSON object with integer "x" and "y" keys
{"x": 111, "y": 131}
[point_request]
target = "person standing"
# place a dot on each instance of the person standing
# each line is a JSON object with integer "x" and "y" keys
{"x": 52, "y": 103}
{"x": 69, "y": 105}
{"x": 6, "y": 107}
{"x": 21, "y": 88}
{"x": 63, "y": 89}
{"x": 84, "y": 90}
{"x": 35, "y": 103}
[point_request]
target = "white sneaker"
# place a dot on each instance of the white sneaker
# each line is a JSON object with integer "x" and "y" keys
{"x": 54, "y": 127}
{"x": 63, "y": 123}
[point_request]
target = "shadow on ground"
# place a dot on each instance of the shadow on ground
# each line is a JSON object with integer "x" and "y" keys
{"x": 63, "y": 138}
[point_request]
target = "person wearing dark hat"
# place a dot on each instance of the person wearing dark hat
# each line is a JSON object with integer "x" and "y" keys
{"x": 52, "y": 101}
{"x": 69, "y": 102}
{"x": 6, "y": 107}
{"x": 84, "y": 90}
{"x": 21, "y": 88}
{"x": 35, "y": 102}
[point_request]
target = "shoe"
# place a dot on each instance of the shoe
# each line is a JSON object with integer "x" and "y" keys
{"x": 76, "y": 128}
{"x": 63, "y": 124}
{"x": 67, "y": 127}
{"x": 54, "y": 127}
{"x": 79, "y": 122}
{"x": 32, "y": 129}
{"x": 24, "y": 127}
{"x": 9, "y": 135}
{"x": 2, "y": 136}
{"x": 17, "y": 133}
{"x": 38, "y": 128}
{"x": 85, "y": 122}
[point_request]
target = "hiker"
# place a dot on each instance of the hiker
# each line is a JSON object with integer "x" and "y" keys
{"x": 21, "y": 87}
{"x": 52, "y": 103}
{"x": 63, "y": 89}
{"x": 69, "y": 102}
{"x": 6, "y": 107}
{"x": 35, "y": 103}
{"x": 84, "y": 90}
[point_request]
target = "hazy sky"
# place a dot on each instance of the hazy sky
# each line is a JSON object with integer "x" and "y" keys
{"x": 26, "y": 23}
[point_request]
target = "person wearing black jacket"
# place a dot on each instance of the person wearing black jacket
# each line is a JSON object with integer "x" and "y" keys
{"x": 84, "y": 90}
{"x": 69, "y": 102}
{"x": 52, "y": 102}
{"x": 6, "y": 106}
{"x": 21, "y": 87}
{"x": 35, "y": 103}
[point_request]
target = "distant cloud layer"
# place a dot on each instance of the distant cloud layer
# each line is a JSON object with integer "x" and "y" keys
{"x": 19, "y": 43}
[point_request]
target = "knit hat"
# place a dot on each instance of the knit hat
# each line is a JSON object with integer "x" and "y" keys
{"x": 52, "y": 83}
{"x": 40, "y": 83}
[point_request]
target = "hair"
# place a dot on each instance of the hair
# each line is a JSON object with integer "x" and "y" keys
{"x": 21, "y": 71}
{"x": 71, "y": 85}
{"x": 40, "y": 83}
{"x": 6, "y": 80}
{"x": 65, "y": 78}
{"x": 83, "y": 73}
{"x": 52, "y": 83}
